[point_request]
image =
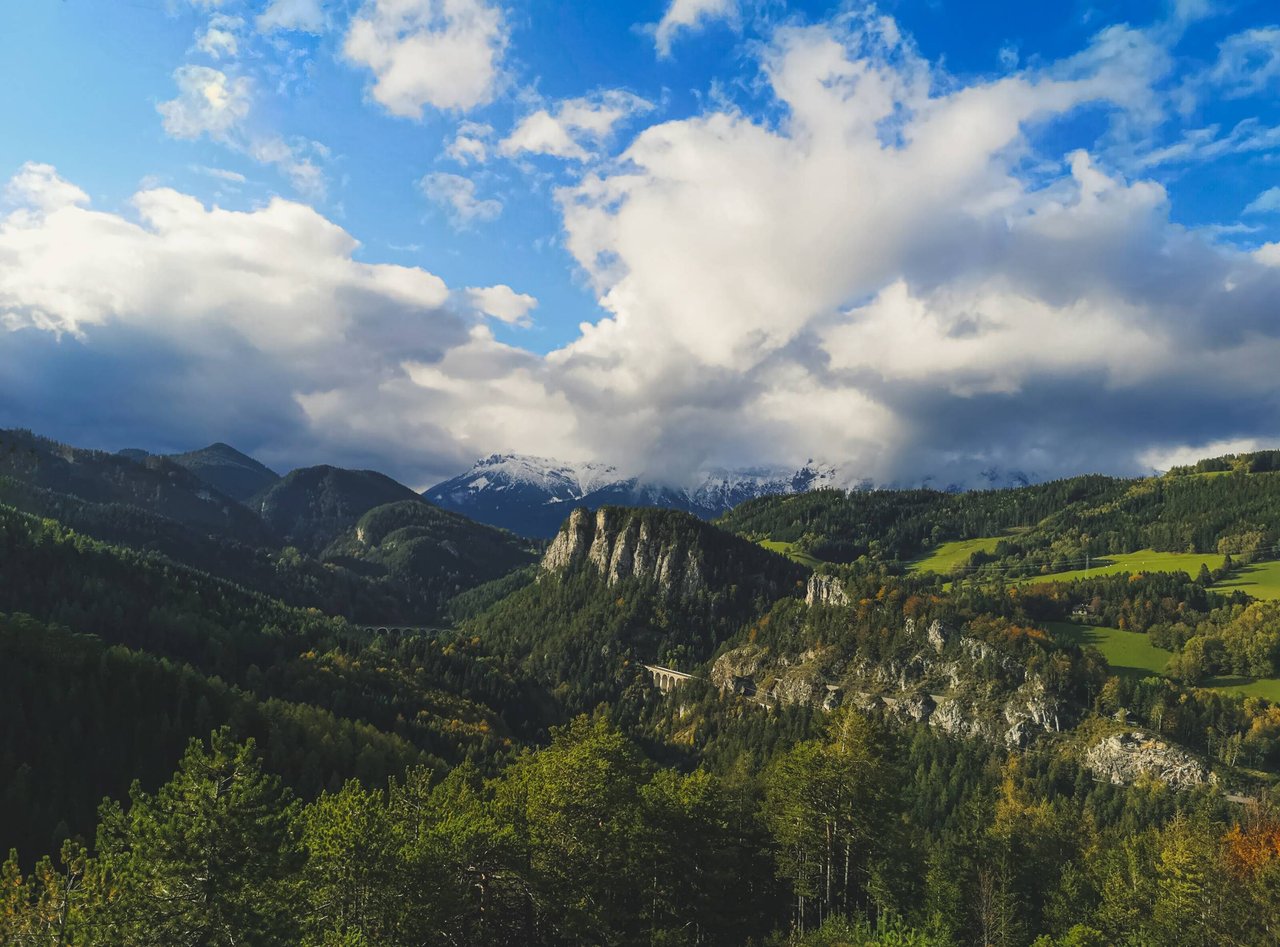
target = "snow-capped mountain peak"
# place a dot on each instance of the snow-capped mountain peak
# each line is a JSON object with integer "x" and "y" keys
{"x": 563, "y": 481}
{"x": 528, "y": 494}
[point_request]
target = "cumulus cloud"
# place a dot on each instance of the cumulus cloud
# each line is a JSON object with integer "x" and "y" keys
{"x": 503, "y": 303}
{"x": 252, "y": 323}
{"x": 209, "y": 102}
{"x": 36, "y": 188}
{"x": 441, "y": 53}
{"x": 470, "y": 144}
{"x": 305, "y": 16}
{"x": 687, "y": 16}
{"x": 457, "y": 195}
{"x": 893, "y": 269}
{"x": 298, "y": 159}
{"x": 221, "y": 39}
{"x": 574, "y": 128}
{"x": 873, "y": 276}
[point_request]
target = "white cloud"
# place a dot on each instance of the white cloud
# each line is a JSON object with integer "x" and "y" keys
{"x": 1208, "y": 144}
{"x": 442, "y": 53}
{"x": 262, "y": 321}
{"x": 209, "y": 102}
{"x": 297, "y": 160}
{"x": 893, "y": 269}
{"x": 574, "y": 127}
{"x": 222, "y": 174}
{"x": 689, "y": 15}
{"x": 1182, "y": 455}
{"x": 306, "y": 16}
{"x": 503, "y": 303}
{"x": 220, "y": 39}
{"x": 1188, "y": 11}
{"x": 1248, "y": 63}
{"x": 470, "y": 144}
{"x": 260, "y": 272}
{"x": 1268, "y": 202}
{"x": 871, "y": 275}
{"x": 457, "y": 195}
{"x": 37, "y": 188}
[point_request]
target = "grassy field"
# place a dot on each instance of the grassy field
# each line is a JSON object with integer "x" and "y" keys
{"x": 947, "y": 556}
{"x": 1268, "y": 687}
{"x": 1131, "y": 654}
{"x": 1144, "y": 560}
{"x": 791, "y": 552}
{"x": 1261, "y": 580}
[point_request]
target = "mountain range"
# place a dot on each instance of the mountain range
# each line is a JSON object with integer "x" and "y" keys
{"x": 742, "y": 676}
{"x": 532, "y": 496}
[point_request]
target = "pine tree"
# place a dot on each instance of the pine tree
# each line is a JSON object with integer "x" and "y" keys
{"x": 204, "y": 862}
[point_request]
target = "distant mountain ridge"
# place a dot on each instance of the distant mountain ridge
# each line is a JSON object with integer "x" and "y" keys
{"x": 236, "y": 474}
{"x": 532, "y": 496}
{"x": 312, "y": 506}
{"x": 229, "y": 471}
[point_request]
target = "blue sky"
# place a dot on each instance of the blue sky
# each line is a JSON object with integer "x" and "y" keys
{"x": 667, "y": 235}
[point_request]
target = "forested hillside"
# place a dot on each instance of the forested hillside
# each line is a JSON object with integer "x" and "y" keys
{"x": 415, "y": 560}
{"x": 863, "y": 751}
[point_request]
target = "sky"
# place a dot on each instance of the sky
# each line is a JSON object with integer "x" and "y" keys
{"x": 925, "y": 239}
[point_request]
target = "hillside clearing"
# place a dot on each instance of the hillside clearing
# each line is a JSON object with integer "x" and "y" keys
{"x": 947, "y": 556}
{"x": 791, "y": 552}
{"x": 1144, "y": 560}
{"x": 1261, "y": 580}
{"x": 1131, "y": 654}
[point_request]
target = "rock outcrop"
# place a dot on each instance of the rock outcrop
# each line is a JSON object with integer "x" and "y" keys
{"x": 621, "y": 546}
{"x": 962, "y": 686}
{"x": 737, "y": 670}
{"x": 825, "y": 590}
{"x": 1124, "y": 757}
{"x": 680, "y": 554}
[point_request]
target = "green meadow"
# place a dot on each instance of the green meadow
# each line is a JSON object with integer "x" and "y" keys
{"x": 1131, "y": 654}
{"x": 1268, "y": 687}
{"x": 1261, "y": 580}
{"x": 1144, "y": 560}
{"x": 947, "y": 556}
{"x": 791, "y": 552}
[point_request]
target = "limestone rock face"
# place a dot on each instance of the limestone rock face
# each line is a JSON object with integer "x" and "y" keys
{"x": 619, "y": 546}
{"x": 958, "y": 717}
{"x": 961, "y": 685}
{"x": 736, "y": 670}
{"x": 938, "y": 635}
{"x": 570, "y": 544}
{"x": 1123, "y": 757}
{"x": 1032, "y": 709}
{"x": 825, "y": 590}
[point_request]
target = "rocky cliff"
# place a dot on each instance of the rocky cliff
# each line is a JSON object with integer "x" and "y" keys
{"x": 620, "y": 545}
{"x": 825, "y": 590}
{"x": 1122, "y": 758}
{"x": 675, "y": 551}
{"x": 958, "y": 684}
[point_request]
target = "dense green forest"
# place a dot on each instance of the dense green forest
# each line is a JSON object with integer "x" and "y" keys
{"x": 1046, "y": 527}
{"x": 204, "y": 744}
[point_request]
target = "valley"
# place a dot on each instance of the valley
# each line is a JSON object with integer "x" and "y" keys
{"x": 898, "y": 680}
